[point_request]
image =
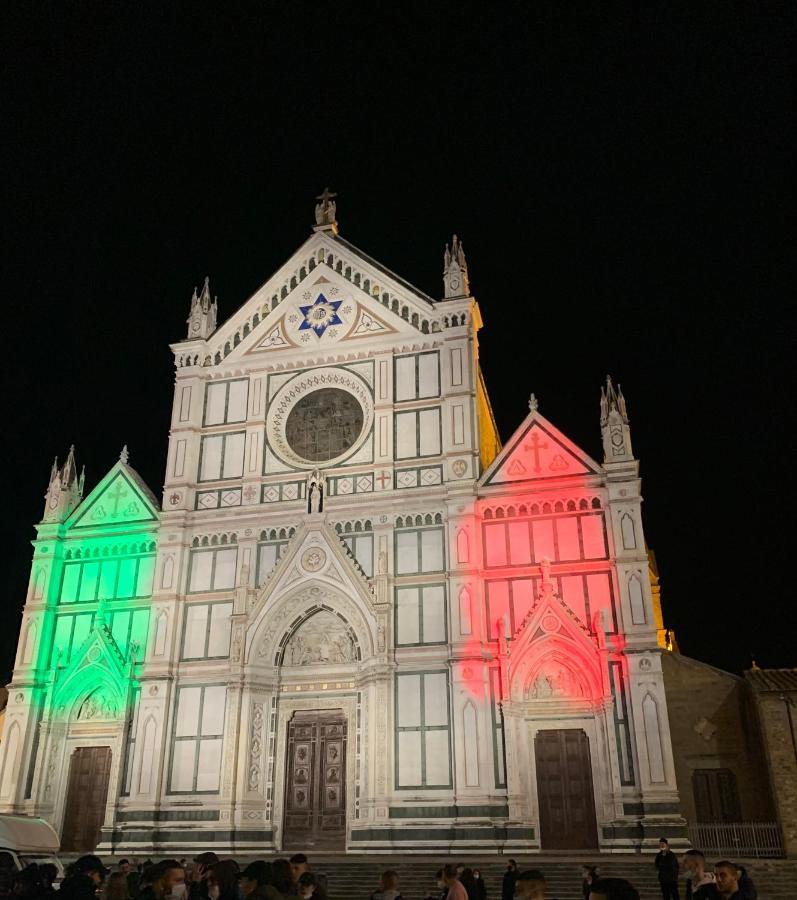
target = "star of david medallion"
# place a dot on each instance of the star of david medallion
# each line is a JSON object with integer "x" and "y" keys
{"x": 320, "y": 315}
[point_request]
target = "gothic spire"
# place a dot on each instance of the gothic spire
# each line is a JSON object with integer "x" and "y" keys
{"x": 455, "y": 271}
{"x": 615, "y": 427}
{"x": 65, "y": 489}
{"x": 202, "y": 318}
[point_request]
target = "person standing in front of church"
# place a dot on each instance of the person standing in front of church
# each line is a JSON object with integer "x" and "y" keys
{"x": 509, "y": 879}
{"x": 700, "y": 883}
{"x": 667, "y": 870}
{"x": 456, "y": 890}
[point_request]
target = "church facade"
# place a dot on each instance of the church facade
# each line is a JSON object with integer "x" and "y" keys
{"x": 353, "y": 621}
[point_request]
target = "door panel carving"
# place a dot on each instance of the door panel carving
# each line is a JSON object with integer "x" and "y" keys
{"x": 564, "y": 790}
{"x": 315, "y": 790}
{"x": 87, "y": 793}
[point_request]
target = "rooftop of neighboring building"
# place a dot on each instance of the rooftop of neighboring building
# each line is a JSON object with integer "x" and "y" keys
{"x": 762, "y": 680}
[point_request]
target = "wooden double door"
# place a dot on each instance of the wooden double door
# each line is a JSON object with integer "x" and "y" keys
{"x": 86, "y": 795}
{"x": 315, "y": 784}
{"x": 564, "y": 790}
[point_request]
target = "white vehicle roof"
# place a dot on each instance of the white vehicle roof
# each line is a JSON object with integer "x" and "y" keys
{"x": 26, "y": 834}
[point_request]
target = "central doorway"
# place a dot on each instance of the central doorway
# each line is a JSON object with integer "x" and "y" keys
{"x": 564, "y": 790}
{"x": 86, "y": 795}
{"x": 315, "y": 786}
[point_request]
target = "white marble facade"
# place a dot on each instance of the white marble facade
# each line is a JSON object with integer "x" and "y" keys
{"x": 362, "y": 552}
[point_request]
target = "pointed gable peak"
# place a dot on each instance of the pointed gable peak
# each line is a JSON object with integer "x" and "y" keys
{"x": 549, "y": 601}
{"x": 317, "y": 552}
{"x": 537, "y": 451}
{"x": 121, "y": 498}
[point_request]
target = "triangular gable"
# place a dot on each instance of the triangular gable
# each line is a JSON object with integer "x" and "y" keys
{"x": 316, "y": 562}
{"x": 324, "y": 264}
{"x": 98, "y": 662}
{"x": 538, "y": 451}
{"x": 121, "y": 498}
{"x": 323, "y": 311}
{"x": 317, "y": 552}
{"x": 552, "y": 632}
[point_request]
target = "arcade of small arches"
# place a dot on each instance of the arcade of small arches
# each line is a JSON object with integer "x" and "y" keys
{"x": 508, "y": 511}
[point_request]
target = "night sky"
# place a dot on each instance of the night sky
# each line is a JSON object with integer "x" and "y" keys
{"x": 622, "y": 182}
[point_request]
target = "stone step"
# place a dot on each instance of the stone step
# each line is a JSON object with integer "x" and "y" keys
{"x": 351, "y": 879}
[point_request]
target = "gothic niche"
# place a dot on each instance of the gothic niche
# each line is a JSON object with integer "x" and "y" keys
{"x": 97, "y": 706}
{"x": 555, "y": 681}
{"x": 322, "y": 640}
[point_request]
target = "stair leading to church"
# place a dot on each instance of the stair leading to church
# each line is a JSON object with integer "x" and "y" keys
{"x": 355, "y": 878}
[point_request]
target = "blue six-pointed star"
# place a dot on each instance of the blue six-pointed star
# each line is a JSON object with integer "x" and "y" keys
{"x": 320, "y": 315}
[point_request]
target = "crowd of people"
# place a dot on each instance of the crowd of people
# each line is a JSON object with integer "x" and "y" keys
{"x": 209, "y": 878}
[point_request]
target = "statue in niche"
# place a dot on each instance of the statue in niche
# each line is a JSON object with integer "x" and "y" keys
{"x": 322, "y": 640}
{"x": 315, "y": 492}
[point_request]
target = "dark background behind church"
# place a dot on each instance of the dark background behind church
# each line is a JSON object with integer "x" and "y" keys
{"x": 622, "y": 183}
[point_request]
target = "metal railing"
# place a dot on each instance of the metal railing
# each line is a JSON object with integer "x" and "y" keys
{"x": 737, "y": 839}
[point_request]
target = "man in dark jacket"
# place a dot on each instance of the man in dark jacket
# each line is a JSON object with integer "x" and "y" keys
{"x": 85, "y": 876}
{"x": 727, "y": 876}
{"x": 747, "y": 890}
{"x": 167, "y": 880}
{"x": 667, "y": 870}
{"x": 700, "y": 883}
{"x": 510, "y": 877}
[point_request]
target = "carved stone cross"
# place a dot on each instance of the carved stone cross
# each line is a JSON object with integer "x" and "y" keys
{"x": 535, "y": 445}
{"x": 116, "y": 495}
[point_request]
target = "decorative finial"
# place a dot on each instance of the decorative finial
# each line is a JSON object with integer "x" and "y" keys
{"x": 124, "y": 456}
{"x": 533, "y": 403}
{"x": 325, "y": 211}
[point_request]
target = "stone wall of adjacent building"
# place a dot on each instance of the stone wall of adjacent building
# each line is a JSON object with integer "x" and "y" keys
{"x": 775, "y": 693}
{"x": 714, "y": 726}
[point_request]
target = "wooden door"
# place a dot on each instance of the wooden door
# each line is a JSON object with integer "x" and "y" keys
{"x": 716, "y": 795}
{"x": 315, "y": 787}
{"x": 564, "y": 790}
{"x": 86, "y": 795}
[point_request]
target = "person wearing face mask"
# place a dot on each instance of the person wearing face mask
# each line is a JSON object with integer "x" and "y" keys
{"x": 479, "y": 887}
{"x": 85, "y": 877}
{"x": 167, "y": 882}
{"x": 700, "y": 883}
{"x": 222, "y": 881}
